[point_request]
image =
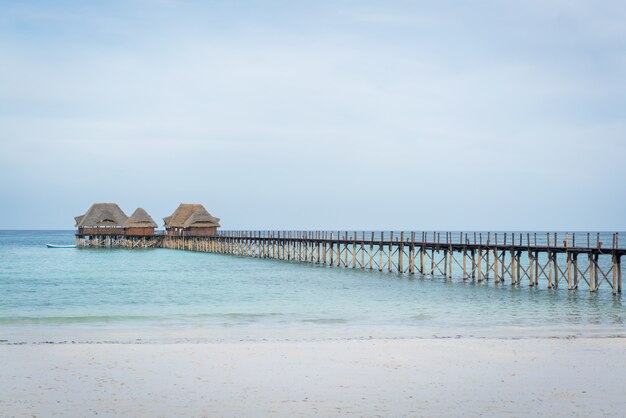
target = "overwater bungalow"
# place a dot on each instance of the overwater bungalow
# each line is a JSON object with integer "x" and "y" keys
{"x": 102, "y": 219}
{"x": 140, "y": 223}
{"x": 191, "y": 220}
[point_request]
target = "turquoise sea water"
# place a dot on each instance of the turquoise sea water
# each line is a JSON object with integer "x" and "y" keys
{"x": 57, "y": 295}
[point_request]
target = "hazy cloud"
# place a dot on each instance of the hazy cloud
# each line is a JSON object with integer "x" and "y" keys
{"x": 325, "y": 115}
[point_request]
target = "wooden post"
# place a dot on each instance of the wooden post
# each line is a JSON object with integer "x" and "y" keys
{"x": 518, "y": 263}
{"x": 422, "y": 257}
{"x": 487, "y": 255}
{"x": 619, "y": 273}
{"x": 432, "y": 253}
{"x": 568, "y": 260}
{"x": 480, "y": 259}
{"x": 345, "y": 247}
{"x": 473, "y": 252}
{"x": 332, "y": 251}
{"x": 432, "y": 261}
{"x": 530, "y": 267}
{"x": 338, "y": 249}
{"x": 362, "y": 250}
{"x": 371, "y": 250}
{"x": 513, "y": 278}
{"x": 575, "y": 262}
{"x": 390, "y": 252}
{"x": 308, "y": 253}
{"x": 401, "y": 253}
{"x": 614, "y": 272}
{"x": 380, "y": 252}
{"x": 595, "y": 271}
{"x": 412, "y": 254}
{"x": 318, "y": 244}
{"x": 354, "y": 251}
{"x": 556, "y": 267}
{"x": 496, "y": 259}
{"x": 464, "y": 262}
{"x": 591, "y": 273}
{"x": 451, "y": 257}
{"x": 536, "y": 258}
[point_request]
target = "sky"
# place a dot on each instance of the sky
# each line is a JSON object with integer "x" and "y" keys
{"x": 357, "y": 115}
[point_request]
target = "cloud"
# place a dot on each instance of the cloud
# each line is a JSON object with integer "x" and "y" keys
{"x": 310, "y": 104}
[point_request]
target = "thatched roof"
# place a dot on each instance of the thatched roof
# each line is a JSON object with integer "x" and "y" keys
{"x": 190, "y": 215}
{"x": 140, "y": 219}
{"x": 102, "y": 214}
{"x": 201, "y": 218}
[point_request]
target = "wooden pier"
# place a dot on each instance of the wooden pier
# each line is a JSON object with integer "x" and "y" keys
{"x": 118, "y": 241}
{"x": 513, "y": 258}
{"x": 547, "y": 259}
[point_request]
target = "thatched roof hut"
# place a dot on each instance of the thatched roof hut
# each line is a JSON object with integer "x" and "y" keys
{"x": 140, "y": 219}
{"x": 191, "y": 219}
{"x": 102, "y": 215}
{"x": 191, "y": 215}
{"x": 140, "y": 224}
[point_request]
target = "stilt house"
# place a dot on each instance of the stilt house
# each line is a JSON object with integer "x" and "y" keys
{"x": 140, "y": 224}
{"x": 102, "y": 219}
{"x": 191, "y": 220}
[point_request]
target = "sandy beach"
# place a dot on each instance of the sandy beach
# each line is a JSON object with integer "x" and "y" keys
{"x": 396, "y": 377}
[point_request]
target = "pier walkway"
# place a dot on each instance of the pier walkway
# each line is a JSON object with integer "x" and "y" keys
{"x": 551, "y": 259}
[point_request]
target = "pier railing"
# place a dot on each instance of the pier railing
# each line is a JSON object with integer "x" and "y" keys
{"x": 548, "y": 259}
{"x": 519, "y": 239}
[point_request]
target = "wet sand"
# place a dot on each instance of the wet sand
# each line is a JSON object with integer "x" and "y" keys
{"x": 415, "y": 377}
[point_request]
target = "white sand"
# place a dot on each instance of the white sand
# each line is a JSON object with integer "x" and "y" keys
{"x": 453, "y": 377}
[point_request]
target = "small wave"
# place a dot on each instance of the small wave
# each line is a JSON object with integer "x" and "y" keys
{"x": 420, "y": 317}
{"x": 325, "y": 321}
{"x": 37, "y": 320}
{"x": 233, "y": 316}
{"x": 60, "y": 320}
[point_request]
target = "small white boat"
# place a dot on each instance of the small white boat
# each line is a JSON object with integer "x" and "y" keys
{"x": 60, "y": 246}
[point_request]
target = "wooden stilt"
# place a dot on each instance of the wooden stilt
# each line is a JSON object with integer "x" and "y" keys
{"x": 464, "y": 262}
{"x": 401, "y": 254}
{"x": 513, "y": 277}
{"x": 331, "y": 250}
{"x": 371, "y": 251}
{"x": 354, "y": 251}
{"x": 472, "y": 252}
{"x": 422, "y": 258}
{"x": 412, "y": 254}
{"x": 380, "y": 253}
{"x": 390, "y": 255}
{"x": 619, "y": 274}
{"x": 614, "y": 273}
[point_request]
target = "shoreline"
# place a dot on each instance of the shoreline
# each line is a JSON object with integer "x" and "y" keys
{"x": 255, "y": 332}
{"x": 365, "y": 377}
{"x": 310, "y": 340}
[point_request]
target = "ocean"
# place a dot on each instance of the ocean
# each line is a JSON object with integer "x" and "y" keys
{"x": 160, "y": 295}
